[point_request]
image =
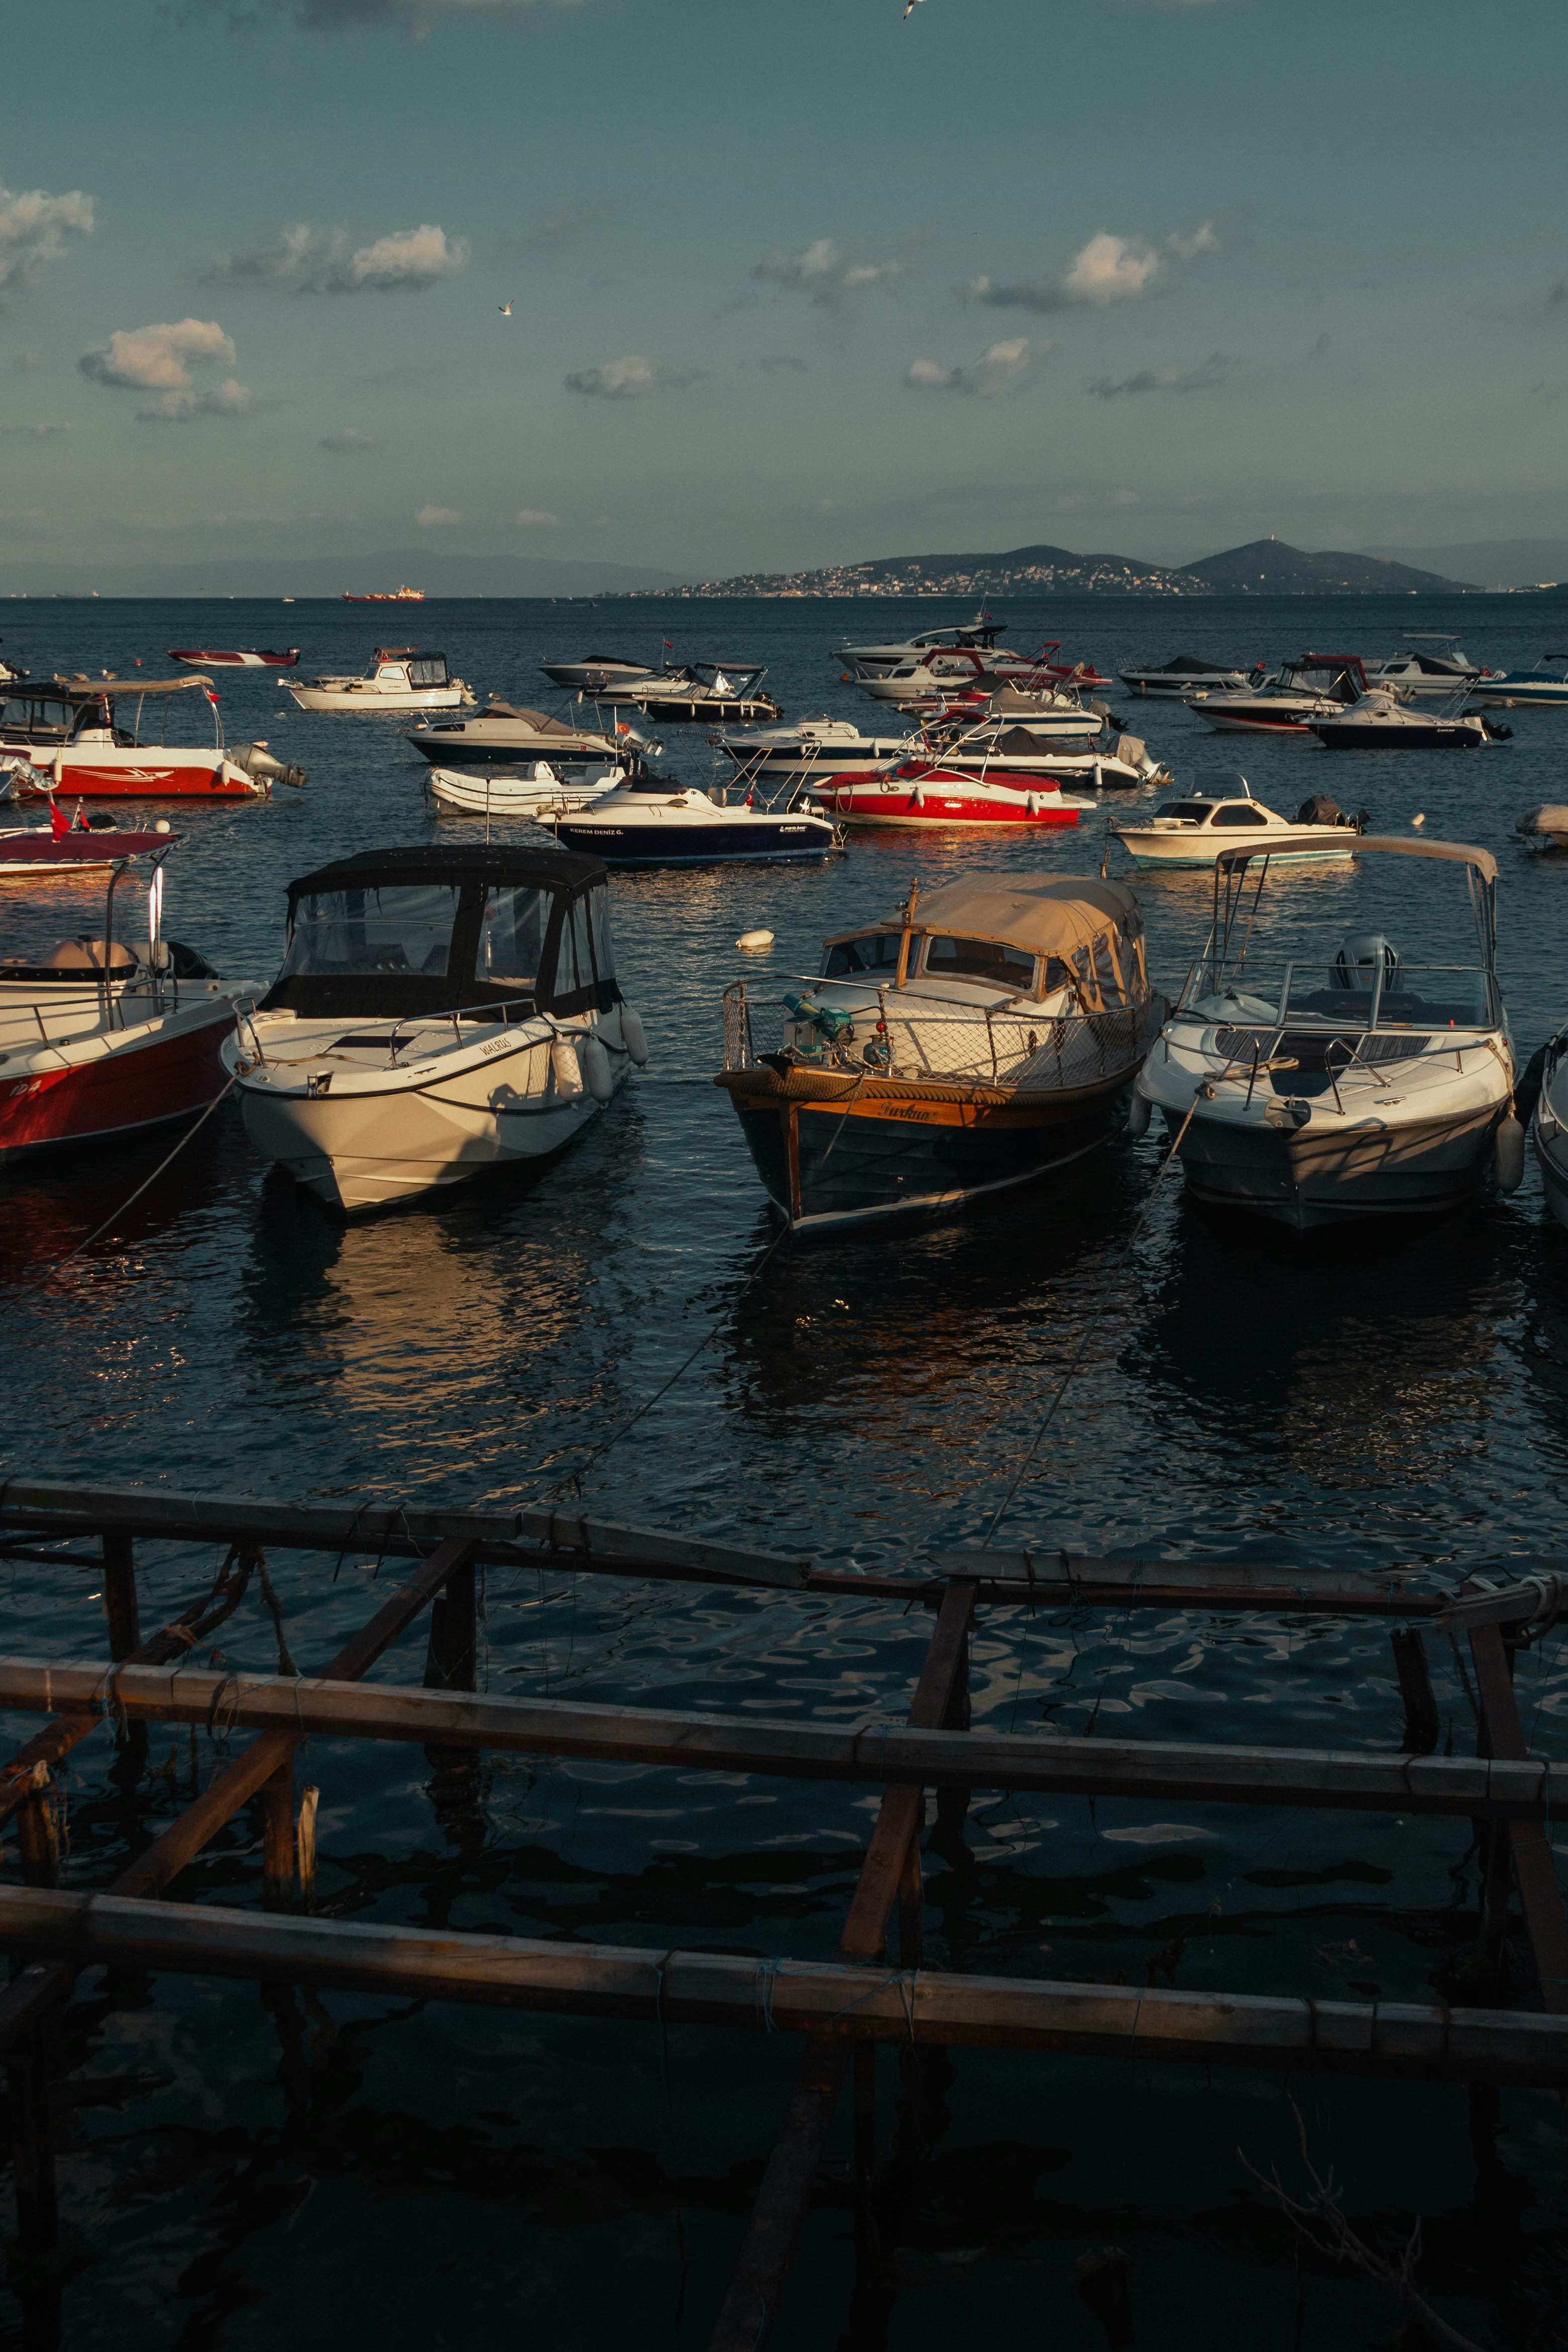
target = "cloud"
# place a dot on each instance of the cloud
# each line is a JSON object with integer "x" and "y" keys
{"x": 349, "y": 444}
{"x": 535, "y": 516}
{"x": 781, "y": 363}
{"x": 25, "y": 363}
{"x": 431, "y": 517}
{"x": 826, "y": 273}
{"x": 228, "y": 399}
{"x": 997, "y": 367}
{"x": 418, "y": 19}
{"x": 31, "y": 432}
{"x": 1108, "y": 269}
{"x": 33, "y": 231}
{"x": 318, "y": 261}
{"x": 1559, "y": 292}
{"x": 1164, "y": 379}
{"x": 160, "y": 359}
{"x": 630, "y": 379}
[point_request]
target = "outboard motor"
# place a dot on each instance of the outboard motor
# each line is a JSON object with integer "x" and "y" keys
{"x": 258, "y": 764}
{"x": 1355, "y": 965}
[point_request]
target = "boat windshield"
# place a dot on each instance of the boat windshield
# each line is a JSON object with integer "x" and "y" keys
{"x": 1327, "y": 995}
{"x": 511, "y": 936}
{"x": 1197, "y": 812}
{"x": 406, "y": 928}
{"x": 878, "y": 953}
{"x": 985, "y": 959}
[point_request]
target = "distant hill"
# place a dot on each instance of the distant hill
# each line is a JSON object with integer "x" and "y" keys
{"x": 1495, "y": 563}
{"x": 1267, "y": 567}
{"x": 1025, "y": 571}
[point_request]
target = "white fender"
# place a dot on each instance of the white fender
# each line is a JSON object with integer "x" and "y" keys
{"x": 1510, "y": 1155}
{"x": 596, "y": 1069}
{"x": 1033, "y": 804}
{"x": 633, "y": 1036}
{"x": 1138, "y": 1111}
{"x": 565, "y": 1066}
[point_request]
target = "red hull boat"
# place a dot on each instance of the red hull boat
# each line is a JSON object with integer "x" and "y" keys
{"x": 921, "y": 793}
{"x": 250, "y": 658}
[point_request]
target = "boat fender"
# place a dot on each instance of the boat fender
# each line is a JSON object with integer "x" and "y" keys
{"x": 596, "y": 1069}
{"x": 1526, "y": 1089}
{"x": 633, "y": 1036}
{"x": 564, "y": 1067}
{"x": 1033, "y": 804}
{"x": 1139, "y": 1109}
{"x": 1509, "y": 1153}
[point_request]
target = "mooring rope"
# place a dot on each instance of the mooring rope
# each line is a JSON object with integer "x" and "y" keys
{"x": 157, "y": 1171}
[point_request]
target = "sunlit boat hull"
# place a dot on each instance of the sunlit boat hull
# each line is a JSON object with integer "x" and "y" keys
{"x": 107, "y": 771}
{"x": 840, "y": 1152}
{"x": 100, "y": 1088}
{"x": 1338, "y": 1174}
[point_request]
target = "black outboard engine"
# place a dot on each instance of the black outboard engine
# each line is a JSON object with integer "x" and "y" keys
{"x": 1320, "y": 810}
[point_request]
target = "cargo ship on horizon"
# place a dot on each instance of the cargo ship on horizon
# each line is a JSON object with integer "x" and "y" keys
{"x": 388, "y": 596}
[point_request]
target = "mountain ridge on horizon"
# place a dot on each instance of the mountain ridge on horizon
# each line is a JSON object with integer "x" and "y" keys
{"x": 1267, "y": 567}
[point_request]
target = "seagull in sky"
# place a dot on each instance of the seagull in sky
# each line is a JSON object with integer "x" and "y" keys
{"x": 506, "y": 306}
{"x": 910, "y": 11}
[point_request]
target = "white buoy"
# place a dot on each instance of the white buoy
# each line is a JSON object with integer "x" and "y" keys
{"x": 1419, "y": 820}
{"x": 162, "y": 826}
{"x": 754, "y": 942}
{"x": 596, "y": 1069}
{"x": 563, "y": 1064}
{"x": 633, "y": 1036}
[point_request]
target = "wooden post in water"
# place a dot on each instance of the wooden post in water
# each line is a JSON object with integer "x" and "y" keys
{"x": 36, "y": 2276}
{"x": 278, "y": 1837}
{"x": 38, "y": 1833}
{"x": 1528, "y": 1843}
{"x": 124, "y": 1639}
{"x": 1422, "y": 1720}
{"x": 451, "y": 1660}
{"x": 309, "y": 1800}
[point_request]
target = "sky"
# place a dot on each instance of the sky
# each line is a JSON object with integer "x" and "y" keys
{"x": 792, "y": 282}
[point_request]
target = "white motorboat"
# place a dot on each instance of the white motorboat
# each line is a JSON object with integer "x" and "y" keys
{"x": 955, "y": 671}
{"x": 814, "y": 747}
{"x": 93, "y": 739}
{"x": 595, "y": 673}
{"x": 504, "y": 735}
{"x": 1447, "y": 669}
{"x": 1549, "y": 1124}
{"x": 1524, "y": 689}
{"x": 979, "y": 1037}
{"x": 1545, "y": 827}
{"x": 1353, "y": 1086}
{"x": 982, "y": 633}
{"x": 439, "y": 1013}
{"x": 401, "y": 678}
{"x": 518, "y": 791}
{"x": 1287, "y": 703}
{"x": 728, "y": 693}
{"x": 656, "y": 821}
{"x": 1221, "y": 813}
{"x": 1185, "y": 675}
{"x": 1382, "y": 721}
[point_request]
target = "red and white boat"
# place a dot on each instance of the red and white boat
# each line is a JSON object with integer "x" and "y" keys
{"x": 104, "y": 1040}
{"x": 247, "y": 658}
{"x": 953, "y": 669}
{"x": 925, "y": 794}
{"x": 73, "y": 736}
{"x": 33, "y": 853}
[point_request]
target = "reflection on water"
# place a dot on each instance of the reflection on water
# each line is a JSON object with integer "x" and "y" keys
{"x": 1356, "y": 1400}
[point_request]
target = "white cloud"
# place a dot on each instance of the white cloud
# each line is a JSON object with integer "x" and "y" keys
{"x": 318, "y": 261}
{"x": 536, "y": 517}
{"x": 998, "y": 366}
{"x": 1107, "y": 269}
{"x": 227, "y": 399}
{"x": 160, "y": 359}
{"x": 1164, "y": 379}
{"x": 629, "y": 379}
{"x": 826, "y": 273}
{"x": 31, "y": 432}
{"x": 418, "y": 17}
{"x": 431, "y": 517}
{"x": 33, "y": 230}
{"x": 352, "y": 443}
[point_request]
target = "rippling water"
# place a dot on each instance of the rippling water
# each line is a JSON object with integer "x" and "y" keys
{"x": 235, "y": 2163}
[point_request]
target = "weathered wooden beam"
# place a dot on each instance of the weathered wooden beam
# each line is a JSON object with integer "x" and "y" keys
{"x": 840, "y": 1999}
{"x": 1064, "y": 1579}
{"x": 120, "y": 1593}
{"x": 1422, "y": 1724}
{"x": 535, "y": 1538}
{"x": 1041, "y": 1763}
{"x": 1534, "y": 1868}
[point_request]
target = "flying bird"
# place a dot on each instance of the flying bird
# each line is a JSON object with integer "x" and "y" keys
{"x": 909, "y": 10}
{"x": 506, "y": 306}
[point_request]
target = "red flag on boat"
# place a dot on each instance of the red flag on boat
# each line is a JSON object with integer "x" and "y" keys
{"x": 210, "y": 696}
{"x": 59, "y": 823}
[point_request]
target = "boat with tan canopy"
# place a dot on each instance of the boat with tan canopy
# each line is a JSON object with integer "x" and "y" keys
{"x": 983, "y": 1034}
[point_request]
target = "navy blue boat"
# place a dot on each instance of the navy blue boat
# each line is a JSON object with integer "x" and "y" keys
{"x": 655, "y": 821}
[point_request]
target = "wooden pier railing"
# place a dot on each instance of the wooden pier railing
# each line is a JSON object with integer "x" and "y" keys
{"x": 841, "y": 2008}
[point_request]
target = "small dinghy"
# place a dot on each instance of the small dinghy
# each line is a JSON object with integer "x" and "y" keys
{"x": 249, "y": 658}
{"x": 1220, "y": 814}
{"x": 1354, "y": 1084}
{"x": 980, "y": 1037}
{"x": 656, "y": 821}
{"x": 532, "y": 792}
{"x": 439, "y": 1013}
{"x": 109, "y": 1037}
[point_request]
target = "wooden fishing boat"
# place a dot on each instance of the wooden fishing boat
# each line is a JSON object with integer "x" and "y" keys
{"x": 980, "y": 1037}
